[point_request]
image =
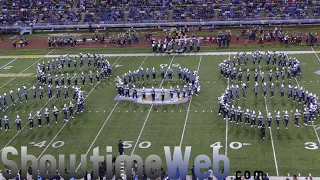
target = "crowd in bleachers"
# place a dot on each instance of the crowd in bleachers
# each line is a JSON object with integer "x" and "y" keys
{"x": 148, "y": 14}
{"x": 17, "y": 12}
{"x": 286, "y": 10}
{"x": 62, "y": 17}
{"x": 193, "y": 12}
{"x": 104, "y": 15}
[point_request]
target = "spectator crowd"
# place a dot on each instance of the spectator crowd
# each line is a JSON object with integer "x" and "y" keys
{"x": 31, "y": 12}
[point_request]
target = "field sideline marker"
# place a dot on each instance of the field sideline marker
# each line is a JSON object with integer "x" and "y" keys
{"x": 17, "y": 98}
{"x": 145, "y": 121}
{"x": 315, "y": 53}
{"x": 8, "y": 63}
{"x": 187, "y": 115}
{"x": 27, "y": 68}
{"x": 105, "y": 122}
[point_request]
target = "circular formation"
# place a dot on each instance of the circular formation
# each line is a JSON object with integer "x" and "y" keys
{"x": 286, "y": 69}
{"x": 127, "y": 90}
{"x": 57, "y": 86}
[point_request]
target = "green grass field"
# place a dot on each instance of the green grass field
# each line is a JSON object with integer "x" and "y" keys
{"x": 145, "y": 129}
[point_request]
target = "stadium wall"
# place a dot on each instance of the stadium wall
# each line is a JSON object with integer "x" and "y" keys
{"x": 168, "y": 24}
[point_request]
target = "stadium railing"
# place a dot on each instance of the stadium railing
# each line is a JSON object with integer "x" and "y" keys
{"x": 169, "y": 24}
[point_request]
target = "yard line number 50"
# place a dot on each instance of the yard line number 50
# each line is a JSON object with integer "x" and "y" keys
{"x": 142, "y": 145}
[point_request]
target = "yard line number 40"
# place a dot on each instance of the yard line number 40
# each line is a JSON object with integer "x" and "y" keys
{"x": 232, "y": 145}
{"x": 42, "y": 144}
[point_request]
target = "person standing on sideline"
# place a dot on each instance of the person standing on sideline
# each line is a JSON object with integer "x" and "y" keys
{"x": 120, "y": 147}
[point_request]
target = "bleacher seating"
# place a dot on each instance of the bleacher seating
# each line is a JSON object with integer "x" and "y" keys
{"x": 316, "y": 9}
{"x": 104, "y": 15}
{"x": 113, "y": 11}
{"x": 286, "y": 10}
{"x": 18, "y": 17}
{"x": 192, "y": 12}
{"x": 61, "y": 17}
{"x": 148, "y": 14}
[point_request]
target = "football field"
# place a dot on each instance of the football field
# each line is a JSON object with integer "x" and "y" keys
{"x": 146, "y": 129}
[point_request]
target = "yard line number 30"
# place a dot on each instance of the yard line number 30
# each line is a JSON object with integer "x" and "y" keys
{"x": 311, "y": 145}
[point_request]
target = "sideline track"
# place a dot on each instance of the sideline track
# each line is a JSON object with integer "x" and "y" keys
{"x": 164, "y": 54}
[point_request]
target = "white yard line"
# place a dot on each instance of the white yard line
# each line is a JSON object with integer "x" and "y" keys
{"x": 8, "y": 63}
{"x": 62, "y": 128}
{"x": 17, "y": 98}
{"x": 299, "y": 88}
{"x": 227, "y": 124}
{"x": 145, "y": 121}
{"x": 68, "y": 121}
{"x": 315, "y": 53}
{"x": 23, "y": 127}
{"x": 105, "y": 122}
{"x": 313, "y": 126}
{"x": 32, "y": 116}
{"x": 316, "y": 134}
{"x": 26, "y": 69}
{"x": 272, "y": 143}
{"x": 187, "y": 115}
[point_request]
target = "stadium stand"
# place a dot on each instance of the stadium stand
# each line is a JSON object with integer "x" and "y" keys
{"x": 61, "y": 17}
{"x": 148, "y": 14}
{"x": 64, "y": 12}
{"x": 104, "y": 15}
{"x": 193, "y": 12}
